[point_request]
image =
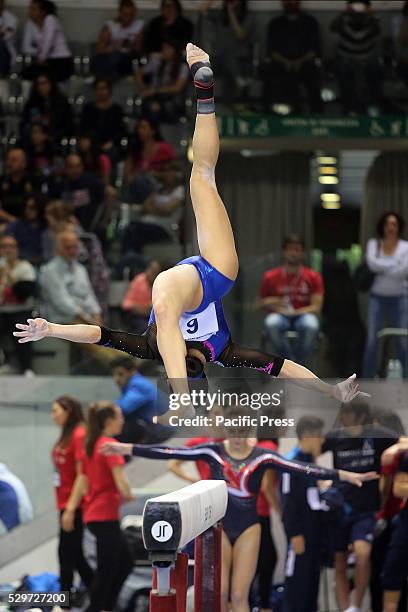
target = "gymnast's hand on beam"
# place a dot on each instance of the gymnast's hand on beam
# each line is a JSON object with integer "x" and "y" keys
{"x": 348, "y": 390}
{"x": 36, "y": 329}
{"x": 116, "y": 448}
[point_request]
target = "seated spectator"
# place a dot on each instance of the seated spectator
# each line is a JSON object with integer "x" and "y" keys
{"x": 15, "y": 186}
{"x": 147, "y": 153}
{"x": 103, "y": 118}
{"x": 17, "y": 290}
{"x": 8, "y": 32}
{"x": 41, "y": 151}
{"x": 48, "y": 106}
{"x": 58, "y": 216}
{"x": 162, "y": 83}
{"x": 94, "y": 160}
{"x": 84, "y": 191}
{"x": 357, "y": 61}
{"x": 293, "y": 46}
{"x": 44, "y": 41}
{"x": 387, "y": 258}
{"x": 15, "y": 505}
{"x": 293, "y": 296}
{"x": 29, "y": 231}
{"x": 161, "y": 211}
{"x": 235, "y": 38}
{"x": 119, "y": 42}
{"x": 139, "y": 401}
{"x": 66, "y": 290}
{"x": 169, "y": 24}
{"x": 137, "y": 302}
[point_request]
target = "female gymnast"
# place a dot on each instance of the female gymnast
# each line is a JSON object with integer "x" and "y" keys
{"x": 242, "y": 466}
{"x": 187, "y": 327}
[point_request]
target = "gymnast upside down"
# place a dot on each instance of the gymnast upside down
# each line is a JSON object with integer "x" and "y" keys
{"x": 187, "y": 326}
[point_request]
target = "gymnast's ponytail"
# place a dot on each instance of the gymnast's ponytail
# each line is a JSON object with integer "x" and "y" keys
{"x": 98, "y": 414}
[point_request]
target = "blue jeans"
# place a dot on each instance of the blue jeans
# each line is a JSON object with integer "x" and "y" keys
{"x": 381, "y": 308}
{"x": 307, "y": 327}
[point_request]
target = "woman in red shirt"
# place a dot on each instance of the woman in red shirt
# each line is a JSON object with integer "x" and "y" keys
{"x": 66, "y": 456}
{"x": 105, "y": 483}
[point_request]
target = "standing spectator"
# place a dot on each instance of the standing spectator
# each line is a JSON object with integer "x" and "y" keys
{"x": 15, "y": 504}
{"x": 106, "y": 484}
{"x": 29, "y": 231}
{"x": 139, "y": 402}
{"x": 162, "y": 83}
{"x": 293, "y": 296}
{"x": 357, "y": 62}
{"x": 170, "y": 24}
{"x": 357, "y": 445}
{"x": 148, "y": 152}
{"x": 303, "y": 521}
{"x": 119, "y": 42}
{"x": 67, "y": 293}
{"x": 44, "y": 40}
{"x": 235, "y": 36}
{"x": 103, "y": 118}
{"x": 8, "y": 31}
{"x": 67, "y": 454}
{"x": 84, "y": 191}
{"x": 16, "y": 185}
{"x": 137, "y": 302}
{"x": 17, "y": 291}
{"x": 293, "y": 48}
{"x": 387, "y": 258}
{"x": 47, "y": 105}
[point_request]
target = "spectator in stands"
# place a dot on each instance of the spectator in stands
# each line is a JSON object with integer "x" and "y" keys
{"x": 67, "y": 454}
{"x": 137, "y": 302}
{"x": 15, "y": 504}
{"x": 16, "y": 185}
{"x": 106, "y": 486}
{"x": 17, "y": 290}
{"x": 67, "y": 292}
{"x": 47, "y": 105}
{"x": 387, "y": 258}
{"x": 8, "y": 32}
{"x": 170, "y": 24}
{"x": 44, "y": 41}
{"x": 302, "y": 516}
{"x": 235, "y": 30}
{"x": 293, "y": 48}
{"x": 41, "y": 151}
{"x": 358, "y": 445}
{"x": 95, "y": 161}
{"x": 293, "y": 296}
{"x": 138, "y": 400}
{"x": 119, "y": 42}
{"x": 146, "y": 155}
{"x": 85, "y": 191}
{"x": 357, "y": 62}
{"x": 29, "y": 230}
{"x": 162, "y": 83}
{"x": 103, "y": 118}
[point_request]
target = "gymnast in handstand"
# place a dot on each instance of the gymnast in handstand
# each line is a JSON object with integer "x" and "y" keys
{"x": 187, "y": 326}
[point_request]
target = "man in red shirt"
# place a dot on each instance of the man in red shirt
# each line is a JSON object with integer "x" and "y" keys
{"x": 292, "y": 295}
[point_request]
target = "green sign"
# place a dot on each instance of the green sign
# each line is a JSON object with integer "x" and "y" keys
{"x": 262, "y": 126}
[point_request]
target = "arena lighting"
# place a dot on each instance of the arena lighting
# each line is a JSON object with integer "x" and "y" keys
{"x": 328, "y": 170}
{"x": 331, "y": 205}
{"x": 326, "y": 160}
{"x": 328, "y": 180}
{"x": 330, "y": 197}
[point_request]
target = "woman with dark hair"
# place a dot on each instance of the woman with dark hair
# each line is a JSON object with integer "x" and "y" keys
{"x": 44, "y": 40}
{"x": 103, "y": 118}
{"x": 47, "y": 105}
{"x": 387, "y": 258}
{"x": 147, "y": 154}
{"x": 169, "y": 24}
{"x": 66, "y": 455}
{"x": 162, "y": 82}
{"x": 93, "y": 158}
{"x": 41, "y": 151}
{"x": 29, "y": 231}
{"x": 105, "y": 483}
